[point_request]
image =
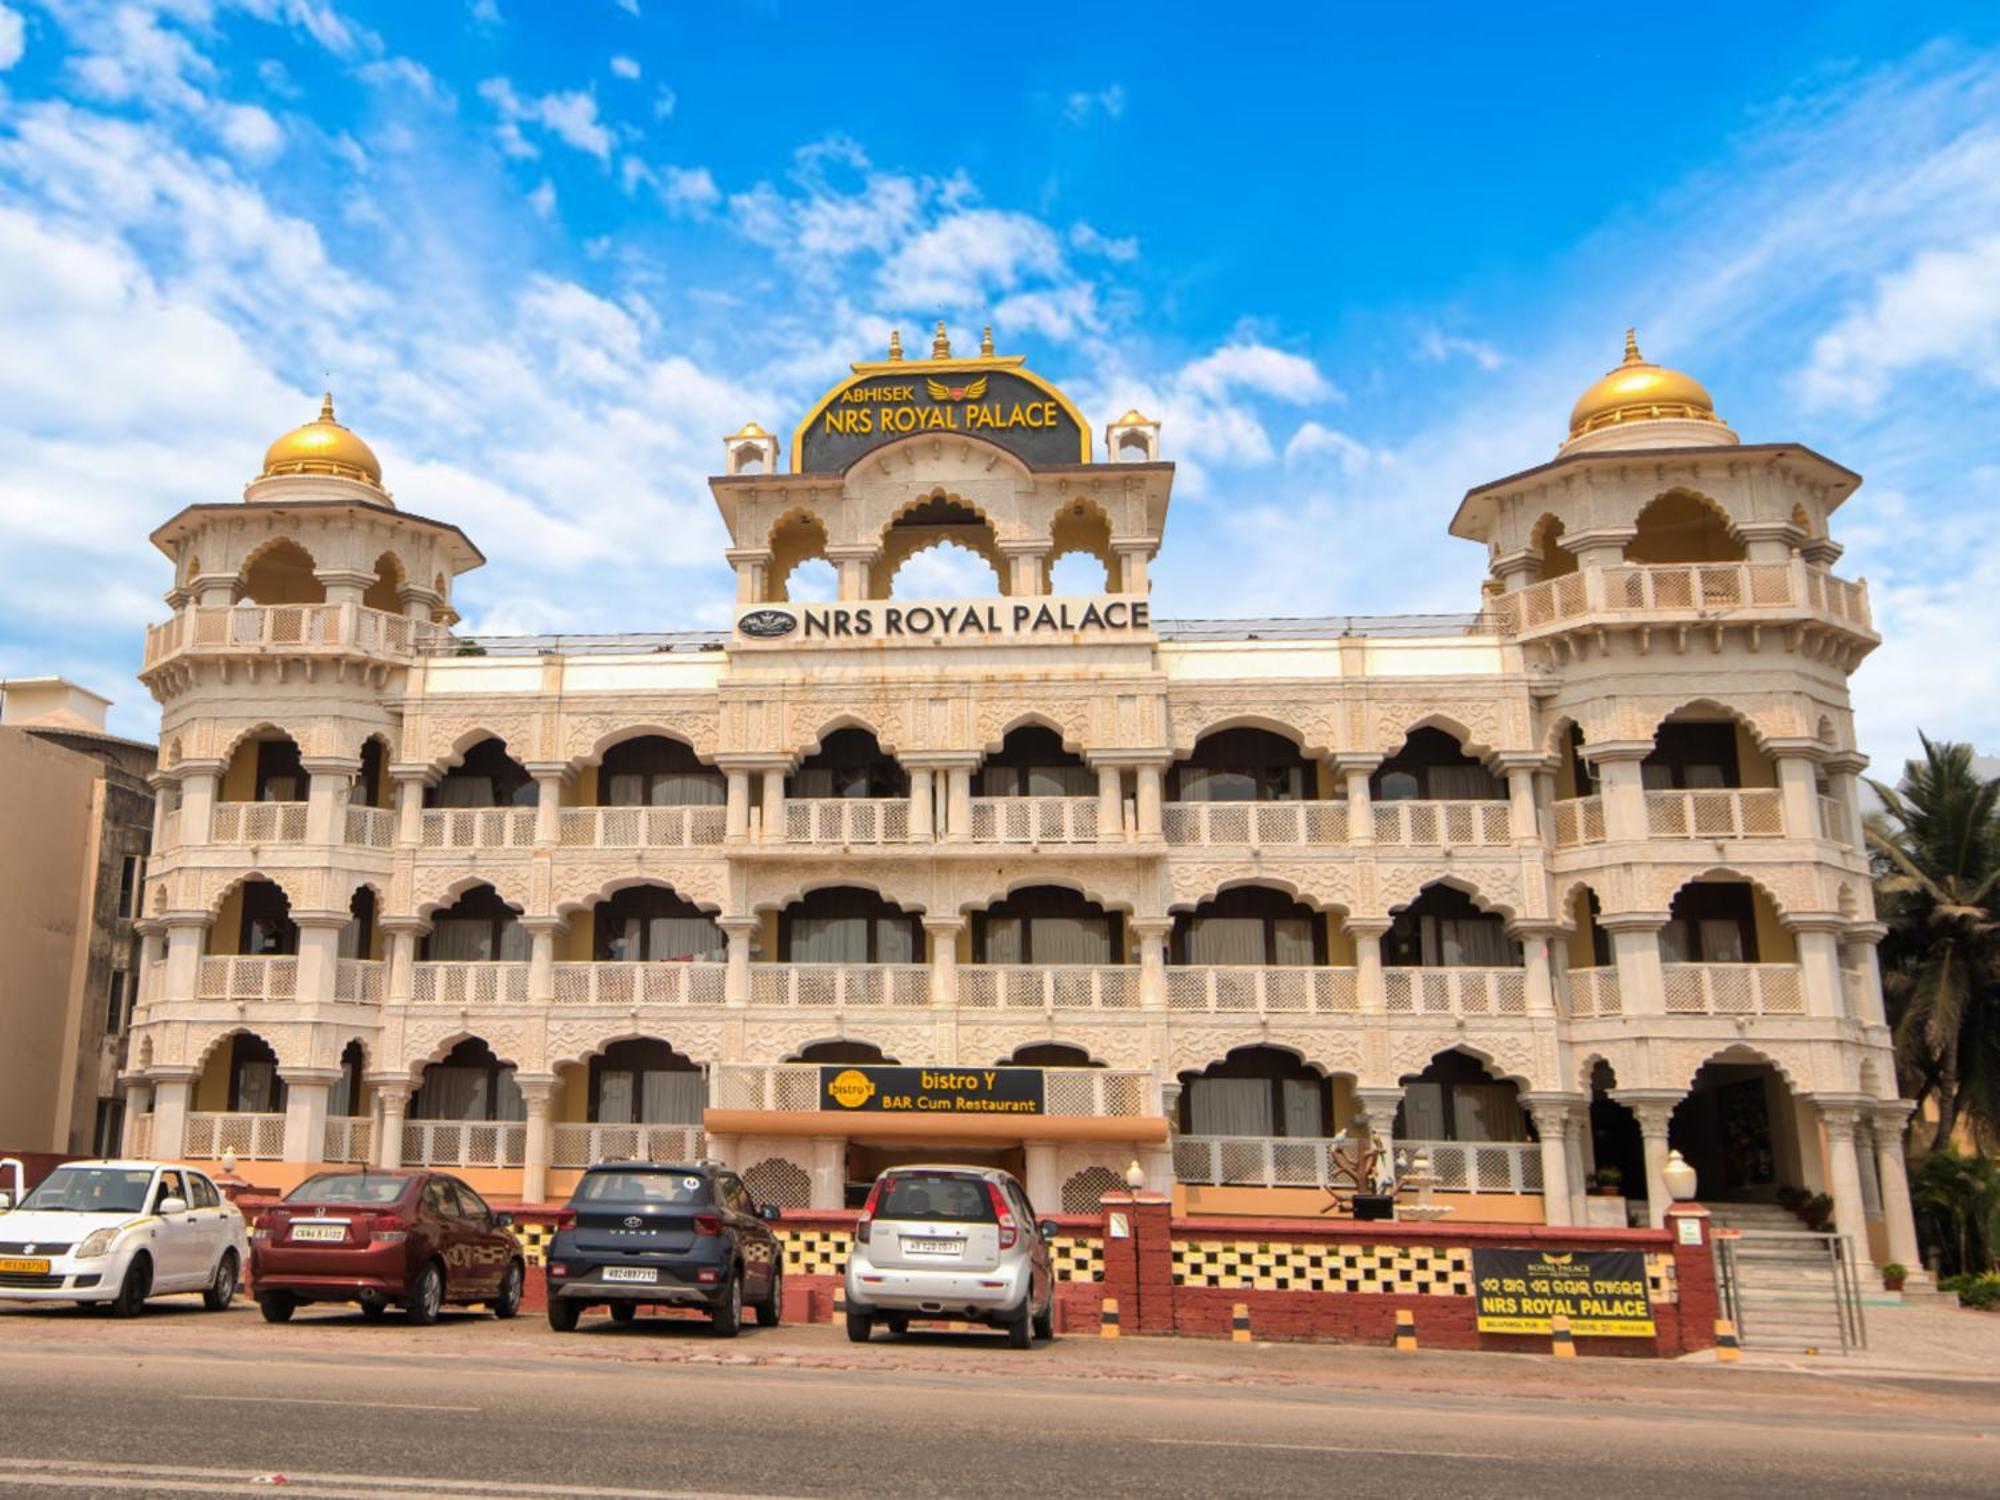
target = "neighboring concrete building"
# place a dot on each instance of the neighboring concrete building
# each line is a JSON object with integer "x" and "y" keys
{"x": 77, "y": 815}
{"x": 1535, "y": 892}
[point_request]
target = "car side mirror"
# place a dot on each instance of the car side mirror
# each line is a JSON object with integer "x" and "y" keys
{"x": 171, "y": 1206}
{"x": 503, "y": 1221}
{"x": 1049, "y": 1228}
{"x": 770, "y": 1211}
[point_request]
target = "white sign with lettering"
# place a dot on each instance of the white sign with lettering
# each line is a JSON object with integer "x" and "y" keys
{"x": 1115, "y": 617}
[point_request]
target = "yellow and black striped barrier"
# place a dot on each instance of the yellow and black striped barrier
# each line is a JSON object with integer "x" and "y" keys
{"x": 1406, "y": 1329}
{"x": 1239, "y": 1324}
{"x": 1107, "y": 1320}
{"x": 1727, "y": 1349}
{"x": 1563, "y": 1346}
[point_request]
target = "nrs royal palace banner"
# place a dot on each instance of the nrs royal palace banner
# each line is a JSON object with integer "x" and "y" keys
{"x": 1602, "y": 1292}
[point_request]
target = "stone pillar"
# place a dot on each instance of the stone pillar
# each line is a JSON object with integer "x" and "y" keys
{"x": 1522, "y": 817}
{"x": 1596, "y": 548}
{"x": 1863, "y": 938}
{"x": 922, "y": 802}
{"x": 187, "y": 932}
{"x": 1582, "y": 1159}
{"x": 1134, "y": 555}
{"x": 1891, "y": 1117}
{"x": 774, "y": 805}
{"x": 1377, "y": 1108}
{"x": 1622, "y": 786}
{"x": 736, "y": 978}
{"x": 1654, "y": 1110}
{"x": 752, "y": 566}
{"x": 1768, "y": 541}
{"x": 1152, "y": 935}
{"x": 1149, "y": 777}
{"x": 944, "y": 933}
{"x": 327, "y": 781}
{"x": 419, "y": 603}
{"x": 1110, "y": 805}
{"x": 319, "y": 958}
{"x": 403, "y": 933}
{"x": 1818, "y": 936}
{"x": 829, "y": 1171}
{"x": 1514, "y": 571}
{"x": 1357, "y": 768}
{"x": 410, "y": 784}
{"x": 1839, "y": 1116}
{"x": 1027, "y": 567}
{"x": 853, "y": 561}
{"x": 542, "y": 958}
{"x": 1370, "y": 992}
{"x": 392, "y": 1093}
{"x": 736, "y": 820}
{"x": 536, "y": 1091}
{"x": 172, "y": 1089}
{"x": 1555, "y": 1115}
{"x": 958, "y": 805}
{"x": 550, "y": 778}
{"x": 1798, "y": 784}
{"x": 1635, "y": 950}
{"x": 1534, "y": 941}
{"x": 199, "y": 781}
{"x": 344, "y": 586}
{"x": 152, "y": 954}
{"x": 1843, "y": 771}
{"x": 1043, "y": 1185}
{"x": 306, "y": 1092}
{"x": 138, "y": 1106}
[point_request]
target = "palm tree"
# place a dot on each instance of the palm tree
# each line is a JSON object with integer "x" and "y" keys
{"x": 1937, "y": 850}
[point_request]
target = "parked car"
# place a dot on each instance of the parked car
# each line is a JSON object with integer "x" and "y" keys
{"x": 651, "y": 1235}
{"x": 418, "y": 1240}
{"x": 113, "y": 1233}
{"x": 950, "y": 1242}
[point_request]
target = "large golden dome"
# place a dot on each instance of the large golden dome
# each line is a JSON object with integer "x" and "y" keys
{"x": 323, "y": 447}
{"x": 1639, "y": 391}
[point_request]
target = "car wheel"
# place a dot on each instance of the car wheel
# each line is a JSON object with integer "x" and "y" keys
{"x": 509, "y": 1301}
{"x": 221, "y": 1288}
{"x": 727, "y": 1319}
{"x": 277, "y": 1307}
{"x": 426, "y": 1297}
{"x": 1045, "y": 1320}
{"x": 131, "y": 1298}
{"x": 563, "y": 1315}
{"x": 859, "y": 1326}
{"x": 772, "y": 1309}
{"x": 1021, "y": 1327}
{"x": 374, "y": 1312}
{"x": 624, "y": 1312}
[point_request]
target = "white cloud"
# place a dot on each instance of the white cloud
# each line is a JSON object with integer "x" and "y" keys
{"x": 959, "y": 261}
{"x": 543, "y": 200}
{"x": 485, "y": 12}
{"x": 13, "y": 37}
{"x": 690, "y": 190}
{"x": 1081, "y": 106}
{"x": 251, "y": 132}
{"x": 569, "y": 115}
{"x": 1315, "y": 443}
{"x": 1941, "y": 309}
{"x": 1436, "y": 346}
{"x": 665, "y": 101}
{"x": 625, "y": 67}
{"x": 630, "y": 7}
{"x": 1088, "y": 241}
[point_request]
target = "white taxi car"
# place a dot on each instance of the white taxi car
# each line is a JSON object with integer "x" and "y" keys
{"x": 118, "y": 1232}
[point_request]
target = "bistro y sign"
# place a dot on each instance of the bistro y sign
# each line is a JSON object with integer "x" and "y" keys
{"x": 937, "y": 1091}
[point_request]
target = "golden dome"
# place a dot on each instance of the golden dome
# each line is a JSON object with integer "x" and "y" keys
{"x": 323, "y": 447}
{"x": 1639, "y": 391}
{"x": 1133, "y": 418}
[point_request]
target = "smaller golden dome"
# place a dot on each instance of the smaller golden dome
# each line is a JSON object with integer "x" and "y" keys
{"x": 1640, "y": 391}
{"x": 1132, "y": 418}
{"x": 323, "y": 447}
{"x": 751, "y": 430}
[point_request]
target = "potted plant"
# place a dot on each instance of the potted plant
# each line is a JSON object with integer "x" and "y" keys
{"x": 1893, "y": 1275}
{"x": 1818, "y": 1213}
{"x": 1609, "y": 1182}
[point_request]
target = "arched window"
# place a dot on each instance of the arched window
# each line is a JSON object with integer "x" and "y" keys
{"x": 1431, "y": 766}
{"x": 1455, "y": 1099}
{"x": 1242, "y": 765}
{"x": 1249, "y": 926}
{"x": 642, "y": 1081}
{"x": 840, "y": 1052}
{"x": 478, "y": 927}
{"x": 254, "y": 1085}
{"x": 1711, "y": 922}
{"x": 1679, "y": 527}
{"x": 1031, "y": 762}
{"x": 848, "y": 925}
{"x": 282, "y": 574}
{"x": 345, "y": 1101}
{"x": 654, "y": 771}
{"x": 266, "y": 924}
{"x": 649, "y": 923}
{"x": 1051, "y": 1055}
{"x": 1692, "y": 754}
{"x": 1257, "y": 1091}
{"x": 469, "y": 1084}
{"x": 1444, "y": 928}
{"x": 359, "y": 938}
{"x": 372, "y": 789}
{"x": 487, "y": 777}
{"x": 266, "y": 769}
{"x": 848, "y": 763}
{"x": 1047, "y": 924}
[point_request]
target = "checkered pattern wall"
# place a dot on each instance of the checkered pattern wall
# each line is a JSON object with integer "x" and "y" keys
{"x": 1379, "y": 1270}
{"x": 535, "y": 1239}
{"x": 1077, "y": 1259}
{"x": 816, "y": 1252}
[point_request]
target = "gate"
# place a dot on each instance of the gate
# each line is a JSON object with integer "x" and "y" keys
{"x": 1790, "y": 1290}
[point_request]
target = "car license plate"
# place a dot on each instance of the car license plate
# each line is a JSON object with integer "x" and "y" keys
{"x": 934, "y": 1247}
{"x": 24, "y": 1267}
{"x": 631, "y": 1273}
{"x": 330, "y": 1229}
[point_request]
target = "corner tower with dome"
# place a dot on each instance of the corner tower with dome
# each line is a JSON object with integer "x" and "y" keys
{"x": 1539, "y": 894}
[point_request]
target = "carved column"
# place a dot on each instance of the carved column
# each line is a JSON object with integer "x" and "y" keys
{"x": 306, "y": 1092}
{"x": 542, "y": 933}
{"x": 1622, "y": 786}
{"x": 773, "y": 830}
{"x": 1892, "y": 1117}
{"x": 1555, "y": 1116}
{"x": 1356, "y": 767}
{"x": 328, "y": 780}
{"x": 550, "y": 778}
{"x": 736, "y": 818}
{"x": 1377, "y": 1110}
{"x": 199, "y": 781}
{"x": 922, "y": 801}
{"x": 736, "y": 978}
{"x": 1027, "y": 566}
{"x": 1635, "y": 950}
{"x": 187, "y": 932}
{"x": 1370, "y": 993}
{"x": 403, "y": 934}
{"x": 1798, "y": 786}
{"x": 1654, "y": 1110}
{"x": 1110, "y": 805}
{"x": 319, "y": 955}
{"x": 1843, "y": 773}
{"x": 392, "y": 1094}
{"x": 1534, "y": 940}
{"x": 853, "y": 561}
{"x": 944, "y": 933}
{"x": 1522, "y": 818}
{"x": 1152, "y": 935}
{"x": 172, "y": 1089}
{"x": 1839, "y": 1117}
{"x": 411, "y": 781}
{"x": 536, "y": 1092}
{"x": 1149, "y": 778}
{"x": 958, "y": 805}
{"x": 1818, "y": 935}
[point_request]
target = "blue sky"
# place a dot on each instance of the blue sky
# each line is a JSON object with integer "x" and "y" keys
{"x": 1356, "y": 259}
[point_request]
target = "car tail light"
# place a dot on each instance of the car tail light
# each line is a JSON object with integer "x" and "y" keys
{"x": 1010, "y": 1232}
{"x": 708, "y": 1223}
{"x": 867, "y": 1220}
{"x": 388, "y": 1228}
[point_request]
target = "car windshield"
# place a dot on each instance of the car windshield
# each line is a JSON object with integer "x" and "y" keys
{"x": 942, "y": 1197}
{"x": 92, "y": 1190}
{"x": 349, "y": 1187}
{"x": 655, "y": 1189}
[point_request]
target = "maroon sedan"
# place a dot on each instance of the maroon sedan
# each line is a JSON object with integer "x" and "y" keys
{"x": 417, "y": 1239}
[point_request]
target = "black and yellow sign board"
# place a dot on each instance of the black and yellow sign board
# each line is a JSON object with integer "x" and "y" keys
{"x": 930, "y": 1091}
{"x": 994, "y": 399}
{"x": 1602, "y": 1292}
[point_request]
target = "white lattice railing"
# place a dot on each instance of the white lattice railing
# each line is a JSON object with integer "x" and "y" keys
{"x": 478, "y": 828}
{"x": 847, "y": 820}
{"x": 360, "y": 981}
{"x": 1837, "y": 597}
{"x": 1579, "y": 820}
{"x": 251, "y": 1137}
{"x": 1450, "y": 823}
{"x": 349, "y": 1139}
{"x": 1594, "y": 992}
{"x": 1684, "y": 587}
{"x": 689, "y": 827}
{"x": 1252, "y": 989}
{"x": 825, "y": 986}
{"x": 464, "y": 1143}
{"x": 1723, "y": 813}
{"x": 1068, "y": 1092}
{"x": 1832, "y": 820}
{"x": 691, "y": 983}
{"x": 262, "y": 977}
{"x": 1733, "y": 989}
{"x": 1049, "y": 986}
{"x": 1253, "y": 1160}
{"x": 1478, "y": 1166}
{"x": 586, "y": 1145}
{"x": 1254, "y": 823}
{"x": 1456, "y": 992}
{"x": 249, "y": 626}
{"x": 371, "y": 827}
{"x": 1034, "y": 820}
{"x": 259, "y": 823}
{"x": 469, "y": 983}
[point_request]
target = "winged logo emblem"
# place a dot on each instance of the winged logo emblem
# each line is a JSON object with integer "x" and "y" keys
{"x": 972, "y": 390}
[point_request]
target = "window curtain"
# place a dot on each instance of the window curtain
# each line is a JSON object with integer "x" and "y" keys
{"x": 461, "y": 939}
{"x": 465, "y": 791}
{"x": 614, "y": 1098}
{"x": 1061, "y": 781}
{"x": 672, "y": 1098}
{"x": 1293, "y": 941}
{"x": 1703, "y": 778}
{"x": 510, "y": 1104}
{"x": 350, "y": 939}
{"x": 1003, "y": 940}
{"x": 1468, "y": 942}
{"x": 1230, "y": 1106}
{"x": 1304, "y": 1116}
{"x": 894, "y": 942}
{"x": 829, "y": 940}
{"x": 1423, "y": 1112}
{"x": 1676, "y": 943}
{"x": 689, "y": 789}
{"x": 1721, "y": 941}
{"x": 1462, "y": 783}
{"x": 340, "y": 1100}
{"x": 1486, "y": 1112}
{"x": 1656, "y": 778}
{"x": 279, "y": 789}
{"x": 256, "y": 1087}
{"x": 451, "y": 1094}
{"x": 685, "y": 937}
{"x": 1215, "y": 784}
{"x": 1228, "y": 940}
{"x": 1071, "y": 940}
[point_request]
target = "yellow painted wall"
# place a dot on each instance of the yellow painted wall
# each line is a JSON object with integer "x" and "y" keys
{"x": 239, "y": 780}
{"x": 211, "y": 1090}
{"x": 1582, "y": 955}
{"x": 1775, "y": 945}
{"x": 581, "y": 792}
{"x": 578, "y": 940}
{"x": 571, "y": 1105}
{"x": 1340, "y": 951}
{"x": 226, "y": 931}
{"x": 1754, "y": 767}
{"x": 767, "y": 937}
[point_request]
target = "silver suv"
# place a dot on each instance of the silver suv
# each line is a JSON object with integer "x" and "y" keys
{"x": 950, "y": 1242}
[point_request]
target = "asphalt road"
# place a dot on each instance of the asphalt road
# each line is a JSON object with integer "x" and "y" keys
{"x": 205, "y": 1404}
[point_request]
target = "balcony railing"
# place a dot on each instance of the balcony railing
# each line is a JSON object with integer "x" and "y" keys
{"x": 1754, "y": 813}
{"x": 827, "y": 986}
{"x": 1594, "y": 992}
{"x": 1049, "y": 986}
{"x": 272, "y": 977}
{"x": 847, "y": 820}
{"x": 689, "y": 827}
{"x": 334, "y": 627}
{"x": 1684, "y": 588}
{"x": 259, "y": 823}
{"x": 586, "y": 1145}
{"x": 692, "y": 983}
{"x": 1068, "y": 1092}
{"x": 478, "y": 828}
{"x": 470, "y": 983}
{"x": 1734, "y": 989}
{"x": 371, "y": 827}
{"x": 1254, "y": 1160}
{"x": 1456, "y": 992}
{"x": 1254, "y": 823}
{"x": 1258, "y": 990}
{"x": 360, "y": 981}
{"x": 1478, "y": 1166}
{"x": 1034, "y": 820}
{"x": 1448, "y": 823}
{"x": 251, "y": 1137}
{"x": 349, "y": 1139}
{"x": 1579, "y": 820}
{"x": 464, "y": 1143}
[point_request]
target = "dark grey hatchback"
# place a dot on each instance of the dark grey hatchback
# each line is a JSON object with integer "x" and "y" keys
{"x": 644, "y": 1234}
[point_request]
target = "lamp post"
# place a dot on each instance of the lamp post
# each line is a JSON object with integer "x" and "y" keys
{"x": 1679, "y": 1177}
{"x": 1135, "y": 1177}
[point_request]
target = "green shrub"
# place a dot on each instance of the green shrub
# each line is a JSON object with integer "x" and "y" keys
{"x": 1979, "y": 1291}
